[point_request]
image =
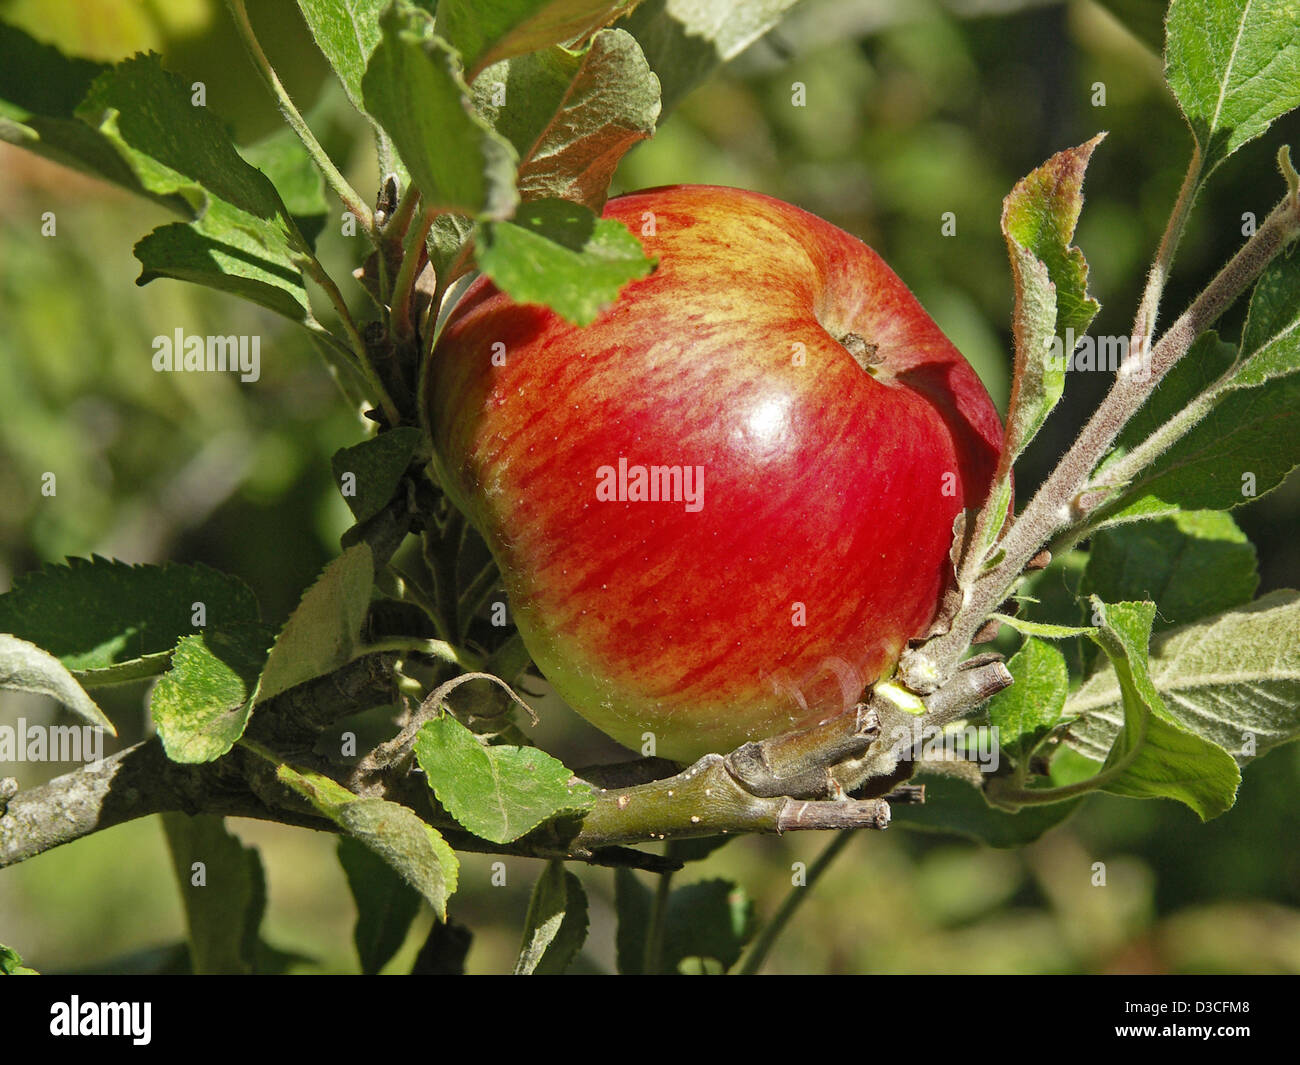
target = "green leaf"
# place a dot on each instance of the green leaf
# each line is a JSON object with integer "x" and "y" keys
{"x": 982, "y": 551}
{"x": 346, "y": 32}
{"x": 1273, "y": 318}
{"x": 1206, "y": 362}
{"x": 455, "y": 158}
{"x": 11, "y": 963}
{"x": 1051, "y": 284}
{"x": 954, "y": 807}
{"x": 1227, "y": 427}
{"x": 25, "y": 667}
{"x": 324, "y": 631}
{"x": 1174, "y": 764}
{"x": 135, "y": 669}
{"x": 1068, "y": 766}
{"x": 486, "y": 31}
{"x": 1153, "y": 756}
{"x": 571, "y": 117}
{"x": 708, "y": 921}
{"x": 1234, "y": 66}
{"x": 1024, "y": 713}
{"x": 447, "y": 236}
{"x": 40, "y": 89}
{"x": 97, "y": 613}
{"x": 416, "y": 850}
{"x": 219, "y": 252}
{"x": 632, "y": 902}
{"x": 71, "y": 143}
{"x": 38, "y": 79}
{"x": 245, "y": 240}
{"x": 444, "y": 951}
{"x": 223, "y": 889}
{"x": 1050, "y": 597}
{"x": 556, "y": 926}
{"x": 1040, "y": 216}
{"x": 686, "y": 40}
{"x": 386, "y": 904}
{"x": 706, "y": 925}
{"x": 560, "y": 255}
{"x": 499, "y": 793}
{"x": 1038, "y": 628}
{"x": 1145, "y": 20}
{"x": 373, "y": 469}
{"x": 1038, "y": 380}
{"x": 293, "y": 172}
{"x": 174, "y": 146}
{"x": 202, "y": 704}
{"x": 1193, "y": 564}
{"x": 1233, "y": 679}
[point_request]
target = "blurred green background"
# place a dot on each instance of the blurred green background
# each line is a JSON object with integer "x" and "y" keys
{"x": 912, "y": 109}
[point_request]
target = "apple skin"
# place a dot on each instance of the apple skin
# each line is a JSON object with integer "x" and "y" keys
{"x": 829, "y": 492}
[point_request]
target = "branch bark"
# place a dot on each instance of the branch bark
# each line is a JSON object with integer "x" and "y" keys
{"x": 136, "y": 782}
{"x": 795, "y": 782}
{"x": 142, "y": 780}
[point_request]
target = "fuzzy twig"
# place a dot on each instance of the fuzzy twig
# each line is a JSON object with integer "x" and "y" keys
{"x": 1062, "y": 501}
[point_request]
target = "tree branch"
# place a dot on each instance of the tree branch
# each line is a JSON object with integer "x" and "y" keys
{"x": 142, "y": 780}
{"x": 794, "y": 782}
{"x": 705, "y": 800}
{"x": 136, "y": 782}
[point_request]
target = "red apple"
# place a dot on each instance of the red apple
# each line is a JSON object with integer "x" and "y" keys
{"x": 777, "y": 363}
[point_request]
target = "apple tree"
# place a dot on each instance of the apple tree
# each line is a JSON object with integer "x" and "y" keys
{"x": 1132, "y": 655}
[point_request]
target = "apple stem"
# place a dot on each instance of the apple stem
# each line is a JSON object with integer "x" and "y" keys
{"x": 864, "y": 353}
{"x": 976, "y": 680}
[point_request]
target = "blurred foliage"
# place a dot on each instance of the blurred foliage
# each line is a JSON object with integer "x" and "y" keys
{"x": 912, "y": 109}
